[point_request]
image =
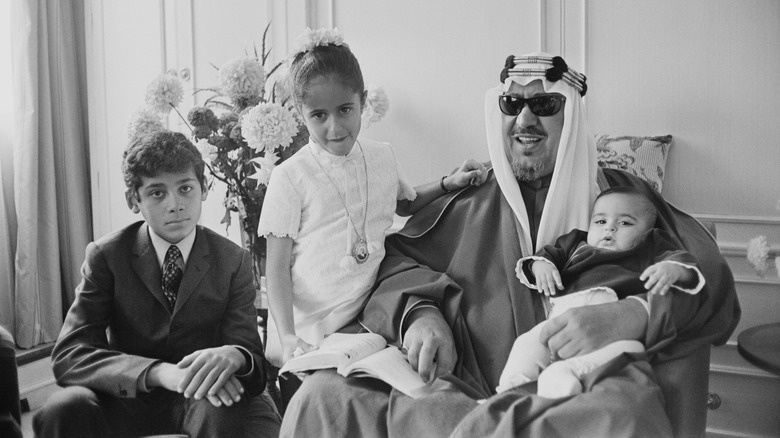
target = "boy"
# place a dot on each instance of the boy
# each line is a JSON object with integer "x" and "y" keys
{"x": 162, "y": 336}
{"x": 621, "y": 255}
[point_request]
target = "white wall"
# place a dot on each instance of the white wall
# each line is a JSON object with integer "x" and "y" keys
{"x": 705, "y": 71}
{"x": 435, "y": 59}
{"x": 701, "y": 70}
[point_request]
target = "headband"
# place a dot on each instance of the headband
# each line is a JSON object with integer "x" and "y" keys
{"x": 320, "y": 37}
{"x": 537, "y": 66}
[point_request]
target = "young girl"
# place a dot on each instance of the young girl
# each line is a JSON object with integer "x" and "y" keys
{"x": 329, "y": 206}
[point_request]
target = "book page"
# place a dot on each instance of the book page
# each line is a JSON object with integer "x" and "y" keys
{"x": 336, "y": 350}
{"x": 390, "y": 366}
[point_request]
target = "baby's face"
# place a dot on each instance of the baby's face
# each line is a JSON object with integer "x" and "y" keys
{"x": 618, "y": 221}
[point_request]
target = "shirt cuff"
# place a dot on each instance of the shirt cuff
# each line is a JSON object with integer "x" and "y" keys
{"x": 699, "y": 276}
{"x": 520, "y": 271}
{"x": 250, "y": 360}
{"x": 418, "y": 305}
{"x": 643, "y": 301}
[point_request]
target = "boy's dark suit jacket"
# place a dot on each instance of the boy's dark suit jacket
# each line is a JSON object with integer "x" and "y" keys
{"x": 120, "y": 324}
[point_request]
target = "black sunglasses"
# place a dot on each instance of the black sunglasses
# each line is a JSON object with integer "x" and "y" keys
{"x": 541, "y": 106}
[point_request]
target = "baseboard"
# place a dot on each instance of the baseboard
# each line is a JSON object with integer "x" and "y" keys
{"x": 23, "y": 357}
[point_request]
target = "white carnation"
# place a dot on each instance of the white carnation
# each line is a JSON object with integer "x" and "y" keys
{"x": 144, "y": 121}
{"x": 758, "y": 254}
{"x": 268, "y": 126}
{"x": 320, "y": 37}
{"x": 377, "y": 105}
{"x": 266, "y": 165}
{"x": 207, "y": 150}
{"x": 242, "y": 80}
{"x": 164, "y": 93}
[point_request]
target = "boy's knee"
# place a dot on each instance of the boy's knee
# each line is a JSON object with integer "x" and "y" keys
{"x": 70, "y": 408}
{"x": 250, "y": 414}
{"x": 72, "y": 400}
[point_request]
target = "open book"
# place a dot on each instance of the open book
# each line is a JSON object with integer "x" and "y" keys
{"x": 361, "y": 355}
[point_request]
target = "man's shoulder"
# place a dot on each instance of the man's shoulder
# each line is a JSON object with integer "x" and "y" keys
{"x": 465, "y": 200}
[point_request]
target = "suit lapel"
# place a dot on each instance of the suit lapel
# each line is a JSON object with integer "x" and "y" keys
{"x": 146, "y": 266}
{"x": 197, "y": 266}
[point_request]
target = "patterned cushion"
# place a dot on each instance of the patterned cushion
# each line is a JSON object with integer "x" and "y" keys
{"x": 644, "y": 157}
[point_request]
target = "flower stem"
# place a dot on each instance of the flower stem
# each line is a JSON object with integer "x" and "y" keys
{"x": 181, "y": 117}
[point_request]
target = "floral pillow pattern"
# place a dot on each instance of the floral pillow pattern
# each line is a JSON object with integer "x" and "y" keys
{"x": 644, "y": 157}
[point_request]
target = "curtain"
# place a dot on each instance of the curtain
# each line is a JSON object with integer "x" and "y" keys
{"x": 50, "y": 170}
{"x": 7, "y": 211}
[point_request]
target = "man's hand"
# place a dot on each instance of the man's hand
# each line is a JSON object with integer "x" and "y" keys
{"x": 429, "y": 344}
{"x": 584, "y": 329}
{"x": 207, "y": 371}
{"x": 548, "y": 279}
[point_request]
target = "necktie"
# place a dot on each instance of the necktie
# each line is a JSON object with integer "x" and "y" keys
{"x": 172, "y": 274}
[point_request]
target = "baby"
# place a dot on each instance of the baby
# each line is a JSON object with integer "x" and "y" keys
{"x": 621, "y": 255}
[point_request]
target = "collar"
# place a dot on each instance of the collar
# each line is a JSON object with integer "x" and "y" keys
{"x": 161, "y": 245}
{"x": 326, "y": 158}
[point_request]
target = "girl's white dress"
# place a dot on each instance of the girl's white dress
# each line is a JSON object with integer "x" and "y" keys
{"x": 329, "y": 286}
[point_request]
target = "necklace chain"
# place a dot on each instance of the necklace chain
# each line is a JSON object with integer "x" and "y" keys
{"x": 359, "y": 249}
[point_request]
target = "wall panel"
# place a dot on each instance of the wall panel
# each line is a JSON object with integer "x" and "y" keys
{"x": 703, "y": 71}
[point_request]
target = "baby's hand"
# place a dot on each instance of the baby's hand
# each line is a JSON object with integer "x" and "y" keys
{"x": 661, "y": 276}
{"x": 547, "y": 277}
{"x": 293, "y": 346}
{"x": 470, "y": 172}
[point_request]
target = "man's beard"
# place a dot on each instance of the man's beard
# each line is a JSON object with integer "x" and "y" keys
{"x": 525, "y": 171}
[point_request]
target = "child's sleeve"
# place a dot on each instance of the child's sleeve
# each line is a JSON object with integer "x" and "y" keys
{"x": 666, "y": 251}
{"x": 281, "y": 215}
{"x": 405, "y": 190}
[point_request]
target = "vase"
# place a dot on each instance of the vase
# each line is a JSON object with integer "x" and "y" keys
{"x": 249, "y": 215}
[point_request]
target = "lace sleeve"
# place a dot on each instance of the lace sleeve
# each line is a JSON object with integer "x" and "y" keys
{"x": 281, "y": 215}
{"x": 405, "y": 190}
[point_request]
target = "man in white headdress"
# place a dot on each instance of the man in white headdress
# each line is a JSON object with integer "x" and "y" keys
{"x": 447, "y": 291}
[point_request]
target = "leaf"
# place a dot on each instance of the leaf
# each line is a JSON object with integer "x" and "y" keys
{"x": 265, "y": 34}
{"x": 226, "y": 219}
{"x": 213, "y": 90}
{"x": 275, "y": 67}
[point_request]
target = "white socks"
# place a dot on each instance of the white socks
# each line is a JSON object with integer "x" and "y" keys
{"x": 564, "y": 378}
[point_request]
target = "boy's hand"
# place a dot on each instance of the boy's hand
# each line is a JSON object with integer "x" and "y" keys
{"x": 227, "y": 395}
{"x": 471, "y": 172}
{"x": 662, "y": 275}
{"x": 293, "y": 346}
{"x": 547, "y": 277}
{"x": 208, "y": 371}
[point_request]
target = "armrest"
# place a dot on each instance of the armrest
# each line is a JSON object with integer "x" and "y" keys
{"x": 684, "y": 383}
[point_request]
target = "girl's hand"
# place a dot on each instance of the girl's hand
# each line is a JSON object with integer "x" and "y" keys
{"x": 470, "y": 172}
{"x": 547, "y": 277}
{"x": 662, "y": 275}
{"x": 293, "y": 346}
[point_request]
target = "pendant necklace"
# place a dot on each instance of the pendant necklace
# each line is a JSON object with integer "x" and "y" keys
{"x": 360, "y": 248}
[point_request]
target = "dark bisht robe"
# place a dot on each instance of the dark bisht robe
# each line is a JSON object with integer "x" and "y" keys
{"x": 460, "y": 252}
